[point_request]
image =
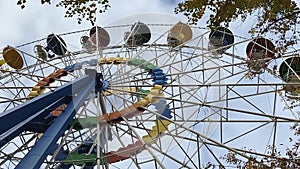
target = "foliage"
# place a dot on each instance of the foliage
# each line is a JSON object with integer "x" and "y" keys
{"x": 279, "y": 17}
{"x": 290, "y": 158}
{"x": 83, "y": 9}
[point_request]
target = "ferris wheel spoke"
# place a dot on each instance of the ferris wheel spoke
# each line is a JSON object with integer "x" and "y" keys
{"x": 194, "y": 70}
{"x": 11, "y": 101}
{"x": 177, "y": 135}
{"x": 203, "y": 138}
{"x": 124, "y": 145}
{"x": 228, "y": 89}
{"x": 37, "y": 64}
{"x": 247, "y": 101}
{"x": 233, "y": 109}
{"x": 26, "y": 145}
{"x": 166, "y": 154}
{"x": 244, "y": 96}
{"x": 157, "y": 57}
{"x": 212, "y": 97}
{"x": 245, "y": 133}
{"x": 141, "y": 140}
{"x": 72, "y": 140}
{"x": 67, "y": 140}
{"x": 121, "y": 74}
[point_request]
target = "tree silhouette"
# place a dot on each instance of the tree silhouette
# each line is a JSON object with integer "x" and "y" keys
{"x": 279, "y": 17}
{"x": 83, "y": 9}
{"x": 276, "y": 17}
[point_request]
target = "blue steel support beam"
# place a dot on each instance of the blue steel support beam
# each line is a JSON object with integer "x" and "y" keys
{"x": 17, "y": 129}
{"x": 36, "y": 156}
{"x": 18, "y": 114}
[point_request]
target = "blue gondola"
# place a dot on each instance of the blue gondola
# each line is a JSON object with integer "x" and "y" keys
{"x": 221, "y": 38}
{"x": 56, "y": 44}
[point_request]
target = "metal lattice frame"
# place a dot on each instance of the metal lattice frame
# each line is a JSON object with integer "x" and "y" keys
{"x": 215, "y": 108}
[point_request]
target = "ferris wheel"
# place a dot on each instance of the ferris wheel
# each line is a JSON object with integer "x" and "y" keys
{"x": 145, "y": 92}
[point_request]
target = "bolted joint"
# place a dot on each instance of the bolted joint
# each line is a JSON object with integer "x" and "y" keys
{"x": 100, "y": 83}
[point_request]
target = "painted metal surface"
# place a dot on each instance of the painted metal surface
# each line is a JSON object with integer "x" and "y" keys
{"x": 43, "y": 147}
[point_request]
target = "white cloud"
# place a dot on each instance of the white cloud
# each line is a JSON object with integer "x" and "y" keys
{"x": 36, "y": 21}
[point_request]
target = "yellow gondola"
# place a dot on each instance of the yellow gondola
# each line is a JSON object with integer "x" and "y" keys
{"x": 12, "y": 57}
{"x": 179, "y": 34}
